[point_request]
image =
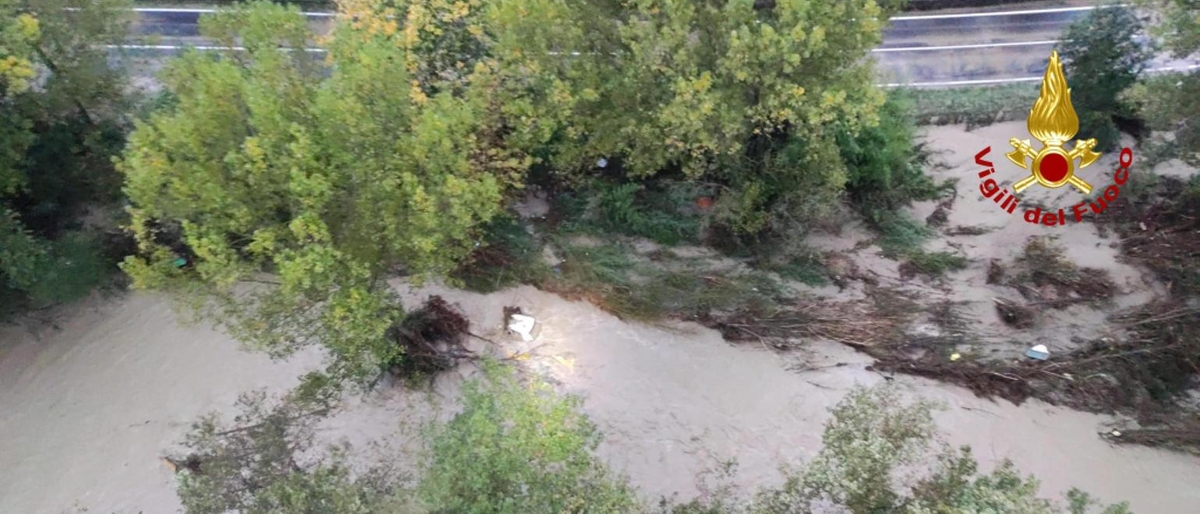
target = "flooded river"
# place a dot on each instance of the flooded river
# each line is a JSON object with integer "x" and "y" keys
{"x": 89, "y": 408}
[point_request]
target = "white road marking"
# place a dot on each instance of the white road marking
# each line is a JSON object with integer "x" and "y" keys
{"x": 964, "y": 47}
{"x": 996, "y": 13}
{"x": 202, "y": 48}
{"x": 312, "y": 14}
{"x": 877, "y": 50}
{"x": 1017, "y": 79}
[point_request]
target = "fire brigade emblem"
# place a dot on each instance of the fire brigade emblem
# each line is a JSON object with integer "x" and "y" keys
{"x": 1053, "y": 122}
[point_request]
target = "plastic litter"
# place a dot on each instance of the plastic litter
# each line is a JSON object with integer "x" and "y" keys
{"x": 602, "y": 163}
{"x": 523, "y": 325}
{"x": 1039, "y": 352}
{"x": 955, "y": 356}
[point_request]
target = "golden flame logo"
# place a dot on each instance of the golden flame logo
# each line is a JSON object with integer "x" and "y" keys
{"x": 1053, "y": 122}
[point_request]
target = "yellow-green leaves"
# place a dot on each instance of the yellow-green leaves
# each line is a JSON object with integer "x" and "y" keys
{"x": 320, "y": 185}
{"x": 16, "y": 38}
{"x": 711, "y": 89}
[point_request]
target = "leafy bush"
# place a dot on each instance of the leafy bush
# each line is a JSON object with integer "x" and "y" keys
{"x": 61, "y": 122}
{"x": 1169, "y": 103}
{"x": 507, "y": 256}
{"x": 1179, "y": 27}
{"x": 1104, "y": 55}
{"x": 327, "y": 182}
{"x": 731, "y": 94}
{"x": 871, "y": 445}
{"x": 884, "y": 163}
{"x": 521, "y": 449}
{"x": 73, "y": 267}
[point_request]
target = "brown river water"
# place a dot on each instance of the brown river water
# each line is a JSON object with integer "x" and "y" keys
{"x": 89, "y": 408}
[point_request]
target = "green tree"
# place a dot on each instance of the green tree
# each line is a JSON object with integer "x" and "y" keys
{"x": 1104, "y": 54}
{"x": 744, "y": 94}
{"x": 519, "y": 448}
{"x": 1171, "y": 102}
{"x": 62, "y": 109}
{"x": 1180, "y": 26}
{"x": 289, "y": 197}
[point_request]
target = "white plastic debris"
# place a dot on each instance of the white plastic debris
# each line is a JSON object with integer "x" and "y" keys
{"x": 602, "y": 163}
{"x": 522, "y": 325}
{"x": 1039, "y": 352}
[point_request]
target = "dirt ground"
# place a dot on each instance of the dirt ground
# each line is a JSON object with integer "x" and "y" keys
{"x": 975, "y": 227}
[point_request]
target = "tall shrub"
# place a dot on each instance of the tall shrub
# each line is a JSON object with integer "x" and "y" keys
{"x": 289, "y": 197}
{"x": 738, "y": 93}
{"x": 1104, "y": 53}
{"x": 63, "y": 112}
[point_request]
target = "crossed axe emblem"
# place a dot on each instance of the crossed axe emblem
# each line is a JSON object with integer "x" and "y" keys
{"x": 1053, "y": 165}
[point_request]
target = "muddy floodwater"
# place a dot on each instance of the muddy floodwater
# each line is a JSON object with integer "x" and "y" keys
{"x": 89, "y": 407}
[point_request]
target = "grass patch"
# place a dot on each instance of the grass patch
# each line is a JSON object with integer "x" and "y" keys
{"x": 899, "y": 234}
{"x": 664, "y": 212}
{"x": 509, "y": 255}
{"x": 807, "y": 267}
{"x": 901, "y": 238}
{"x": 934, "y": 264}
{"x": 614, "y": 278}
{"x": 974, "y": 106}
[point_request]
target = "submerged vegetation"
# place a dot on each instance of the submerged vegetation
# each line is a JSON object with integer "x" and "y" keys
{"x": 518, "y": 447}
{"x": 686, "y": 150}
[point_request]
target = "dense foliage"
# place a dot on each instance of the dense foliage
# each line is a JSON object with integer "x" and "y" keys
{"x": 742, "y": 98}
{"x": 1171, "y": 102}
{"x": 519, "y": 448}
{"x": 746, "y": 96}
{"x": 262, "y": 165}
{"x": 317, "y": 188}
{"x": 62, "y": 113}
{"x": 1105, "y": 52}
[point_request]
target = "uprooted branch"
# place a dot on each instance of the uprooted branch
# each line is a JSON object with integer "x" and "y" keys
{"x": 430, "y": 339}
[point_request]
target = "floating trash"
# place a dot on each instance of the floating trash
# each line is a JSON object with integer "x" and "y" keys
{"x": 523, "y": 325}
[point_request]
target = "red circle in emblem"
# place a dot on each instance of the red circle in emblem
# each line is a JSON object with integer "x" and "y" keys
{"x": 1053, "y": 167}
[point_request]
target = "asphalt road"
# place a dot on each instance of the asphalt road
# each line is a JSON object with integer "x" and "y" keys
{"x": 921, "y": 49}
